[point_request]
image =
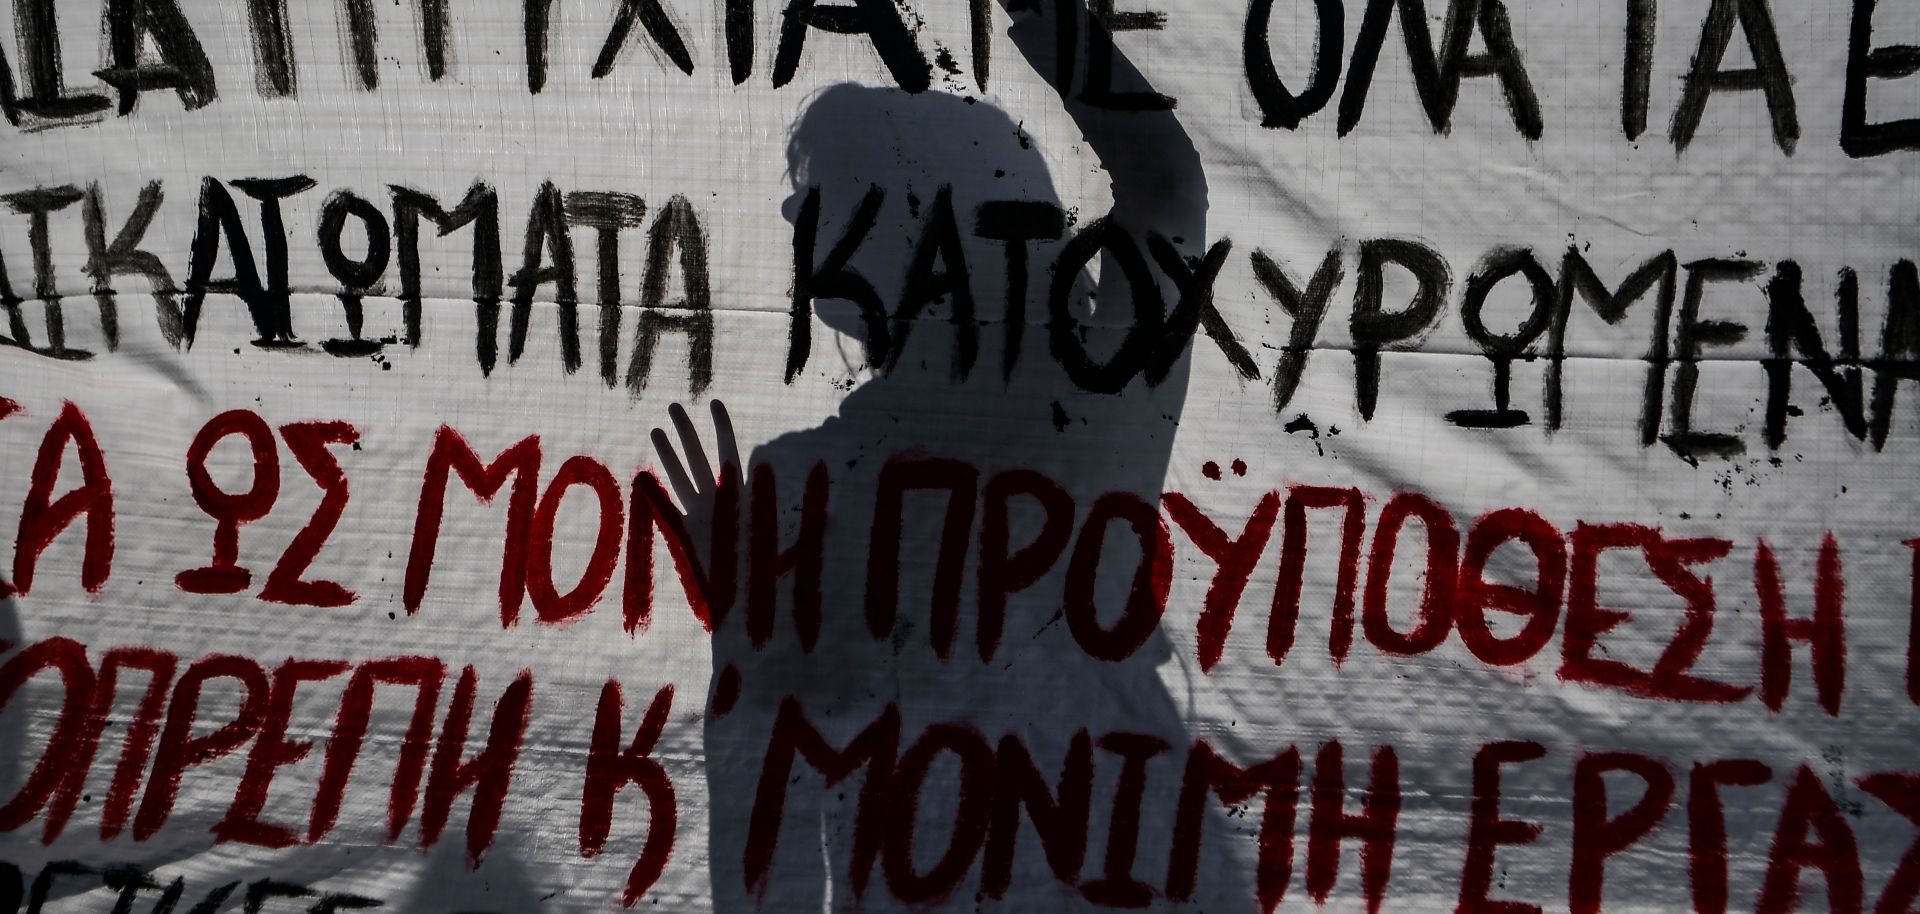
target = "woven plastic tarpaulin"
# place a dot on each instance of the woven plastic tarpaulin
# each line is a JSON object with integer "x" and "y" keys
{"x": 1061, "y": 455}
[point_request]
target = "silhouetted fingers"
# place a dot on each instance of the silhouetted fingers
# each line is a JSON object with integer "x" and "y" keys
{"x": 728, "y": 444}
{"x": 691, "y": 447}
{"x": 676, "y": 473}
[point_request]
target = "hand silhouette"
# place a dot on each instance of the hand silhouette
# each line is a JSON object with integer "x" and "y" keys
{"x": 694, "y": 482}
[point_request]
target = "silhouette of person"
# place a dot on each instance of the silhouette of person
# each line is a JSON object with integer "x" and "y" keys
{"x": 1007, "y": 412}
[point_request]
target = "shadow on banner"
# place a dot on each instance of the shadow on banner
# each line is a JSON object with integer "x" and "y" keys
{"x": 1051, "y": 407}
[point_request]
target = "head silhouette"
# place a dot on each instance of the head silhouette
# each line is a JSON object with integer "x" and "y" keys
{"x": 893, "y": 175}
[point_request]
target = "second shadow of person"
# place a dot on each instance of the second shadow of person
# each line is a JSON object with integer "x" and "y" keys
{"x": 501, "y": 884}
{"x": 978, "y": 392}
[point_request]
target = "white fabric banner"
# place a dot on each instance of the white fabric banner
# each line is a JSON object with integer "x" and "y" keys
{"x": 1059, "y": 455}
